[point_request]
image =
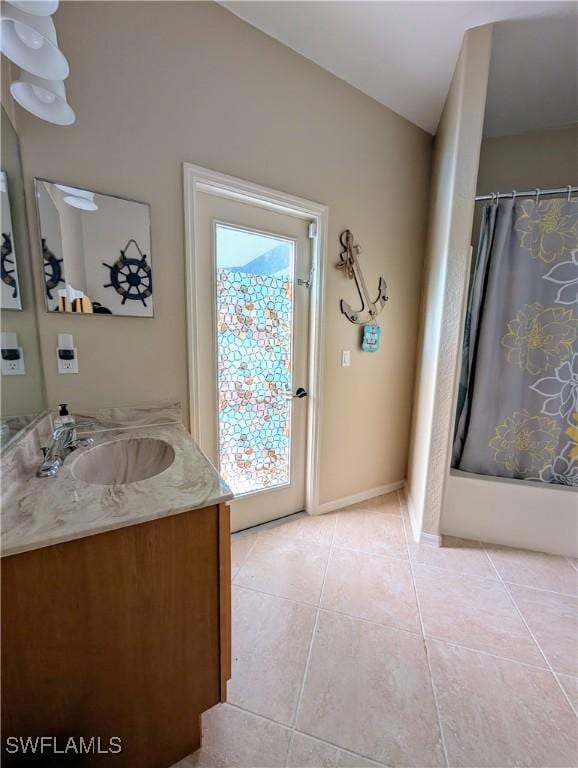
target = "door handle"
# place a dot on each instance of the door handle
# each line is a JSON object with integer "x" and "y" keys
{"x": 298, "y": 394}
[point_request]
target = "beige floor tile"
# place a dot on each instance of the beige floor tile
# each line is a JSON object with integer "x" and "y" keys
{"x": 286, "y": 567}
{"x": 317, "y": 528}
{"x": 497, "y": 712}
{"x": 306, "y": 752}
{"x": 271, "y": 638}
{"x": 534, "y": 569}
{"x": 236, "y": 739}
{"x": 387, "y": 502}
{"x": 376, "y": 534}
{"x": 458, "y": 555}
{"x": 570, "y": 684}
{"x": 240, "y": 548}
{"x": 349, "y": 760}
{"x": 553, "y": 619}
{"x": 373, "y": 587}
{"x": 477, "y": 613}
{"x": 368, "y": 690}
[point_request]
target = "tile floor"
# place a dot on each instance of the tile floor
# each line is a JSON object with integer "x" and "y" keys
{"x": 353, "y": 646}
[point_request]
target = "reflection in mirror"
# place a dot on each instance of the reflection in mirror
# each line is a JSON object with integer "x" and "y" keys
{"x": 22, "y": 385}
{"x": 96, "y": 252}
{"x": 9, "y": 287}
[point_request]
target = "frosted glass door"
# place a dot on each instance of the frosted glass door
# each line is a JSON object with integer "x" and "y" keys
{"x": 253, "y": 315}
{"x": 254, "y": 302}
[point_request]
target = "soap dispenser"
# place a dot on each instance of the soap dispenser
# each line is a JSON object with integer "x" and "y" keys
{"x": 64, "y": 418}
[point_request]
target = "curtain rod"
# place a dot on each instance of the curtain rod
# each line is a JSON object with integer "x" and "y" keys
{"x": 529, "y": 193}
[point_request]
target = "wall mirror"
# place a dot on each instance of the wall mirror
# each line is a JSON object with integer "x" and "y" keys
{"x": 10, "y": 295}
{"x": 22, "y": 384}
{"x": 96, "y": 252}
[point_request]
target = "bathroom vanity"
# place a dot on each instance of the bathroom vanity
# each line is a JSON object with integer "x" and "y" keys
{"x": 116, "y": 593}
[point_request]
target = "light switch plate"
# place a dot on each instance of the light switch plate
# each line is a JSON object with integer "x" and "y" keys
{"x": 345, "y": 358}
{"x": 67, "y": 366}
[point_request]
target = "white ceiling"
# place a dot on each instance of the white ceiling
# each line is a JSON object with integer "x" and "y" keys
{"x": 402, "y": 54}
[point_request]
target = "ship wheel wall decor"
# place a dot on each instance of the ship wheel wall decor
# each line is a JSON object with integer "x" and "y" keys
{"x": 8, "y": 264}
{"x": 130, "y": 277}
{"x": 53, "y": 274}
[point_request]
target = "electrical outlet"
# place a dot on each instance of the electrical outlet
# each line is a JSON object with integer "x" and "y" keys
{"x": 67, "y": 366}
{"x": 13, "y": 367}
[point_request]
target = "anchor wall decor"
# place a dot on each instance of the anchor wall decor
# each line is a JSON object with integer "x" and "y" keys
{"x": 350, "y": 265}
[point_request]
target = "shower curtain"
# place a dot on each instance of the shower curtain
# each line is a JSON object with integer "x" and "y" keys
{"x": 518, "y": 400}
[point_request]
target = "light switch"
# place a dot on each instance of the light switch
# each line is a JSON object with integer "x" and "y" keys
{"x": 345, "y": 358}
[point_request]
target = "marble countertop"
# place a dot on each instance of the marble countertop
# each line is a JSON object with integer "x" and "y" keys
{"x": 39, "y": 512}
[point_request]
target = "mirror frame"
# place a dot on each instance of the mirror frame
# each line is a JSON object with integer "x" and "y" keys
{"x": 48, "y": 311}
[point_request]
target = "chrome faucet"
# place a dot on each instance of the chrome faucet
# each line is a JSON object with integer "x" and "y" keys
{"x": 62, "y": 443}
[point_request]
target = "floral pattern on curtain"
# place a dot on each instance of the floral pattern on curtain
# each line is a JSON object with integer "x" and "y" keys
{"x": 518, "y": 401}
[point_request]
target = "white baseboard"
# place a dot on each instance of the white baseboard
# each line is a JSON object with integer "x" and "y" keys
{"x": 346, "y": 501}
{"x": 430, "y": 539}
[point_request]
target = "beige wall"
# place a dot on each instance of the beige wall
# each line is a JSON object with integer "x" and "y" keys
{"x": 158, "y": 83}
{"x": 456, "y": 154}
{"x": 8, "y": 72}
{"x": 528, "y": 160}
{"x": 525, "y": 161}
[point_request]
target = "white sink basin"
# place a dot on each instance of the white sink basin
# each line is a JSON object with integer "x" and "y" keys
{"x": 123, "y": 461}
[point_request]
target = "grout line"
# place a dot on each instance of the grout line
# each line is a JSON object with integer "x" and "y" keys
{"x": 244, "y": 560}
{"x": 521, "y": 615}
{"x": 293, "y": 731}
{"x": 341, "y": 749}
{"x": 323, "y": 609}
{"x": 574, "y": 706}
{"x": 257, "y": 715}
{"x": 486, "y": 653}
{"x": 278, "y": 597}
{"x": 310, "y": 651}
{"x": 538, "y": 589}
{"x": 573, "y": 563}
{"x": 521, "y": 583}
{"x": 435, "y": 698}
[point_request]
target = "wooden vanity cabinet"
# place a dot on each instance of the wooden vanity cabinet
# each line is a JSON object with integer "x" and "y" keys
{"x": 124, "y": 633}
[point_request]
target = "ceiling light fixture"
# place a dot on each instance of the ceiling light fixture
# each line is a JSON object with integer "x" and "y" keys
{"x": 81, "y": 202}
{"x": 28, "y": 38}
{"x": 45, "y": 99}
{"x": 36, "y": 7}
{"x": 75, "y": 191}
{"x": 30, "y": 42}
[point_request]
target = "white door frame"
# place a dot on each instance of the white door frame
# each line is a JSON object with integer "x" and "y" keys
{"x": 197, "y": 179}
